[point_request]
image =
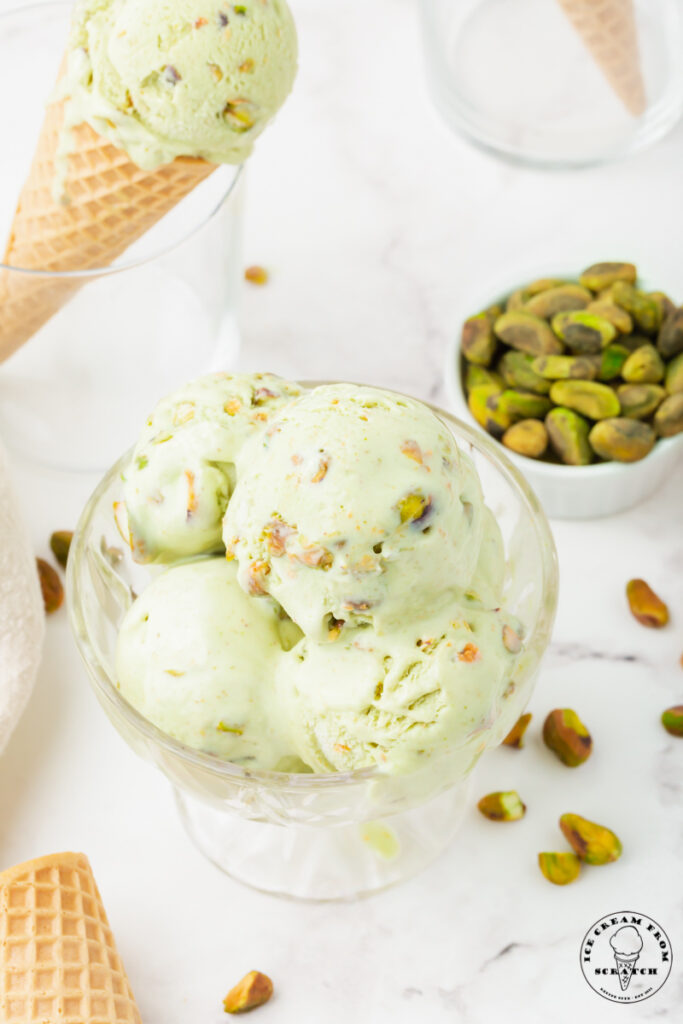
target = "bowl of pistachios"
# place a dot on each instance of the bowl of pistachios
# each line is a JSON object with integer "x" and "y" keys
{"x": 579, "y": 375}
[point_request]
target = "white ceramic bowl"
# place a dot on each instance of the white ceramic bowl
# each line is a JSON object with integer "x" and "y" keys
{"x": 567, "y": 492}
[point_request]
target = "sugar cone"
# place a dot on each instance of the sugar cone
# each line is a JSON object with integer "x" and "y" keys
{"x": 58, "y": 959}
{"x": 112, "y": 202}
{"x": 608, "y": 30}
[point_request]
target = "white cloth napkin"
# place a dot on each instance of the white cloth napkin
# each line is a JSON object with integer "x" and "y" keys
{"x": 22, "y": 617}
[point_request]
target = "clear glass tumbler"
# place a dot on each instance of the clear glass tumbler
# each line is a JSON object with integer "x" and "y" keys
{"x": 303, "y": 835}
{"x": 530, "y": 79}
{"x": 74, "y": 395}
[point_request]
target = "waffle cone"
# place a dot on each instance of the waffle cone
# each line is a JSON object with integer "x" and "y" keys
{"x": 112, "y": 202}
{"x": 58, "y": 959}
{"x": 608, "y": 30}
{"x": 625, "y": 967}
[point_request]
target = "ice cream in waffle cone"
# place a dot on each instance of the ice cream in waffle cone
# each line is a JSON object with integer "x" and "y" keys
{"x": 608, "y": 30}
{"x": 58, "y": 958}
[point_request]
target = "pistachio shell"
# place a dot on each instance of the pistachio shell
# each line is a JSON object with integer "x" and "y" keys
{"x": 568, "y": 434}
{"x": 617, "y": 316}
{"x": 524, "y": 404}
{"x": 597, "y": 401}
{"x": 644, "y": 366}
{"x": 527, "y": 333}
{"x": 584, "y": 332}
{"x": 669, "y": 416}
{"x": 484, "y": 404}
{"x": 515, "y": 738}
{"x": 478, "y": 376}
{"x": 644, "y": 310}
{"x": 611, "y": 361}
{"x": 528, "y": 437}
{"x": 559, "y": 868}
{"x": 672, "y": 720}
{"x": 478, "y": 342}
{"x": 556, "y": 300}
{"x": 670, "y": 340}
{"x": 565, "y": 367}
{"x": 638, "y": 401}
{"x": 673, "y": 381}
{"x": 645, "y": 605}
{"x": 516, "y": 369}
{"x": 565, "y": 734}
{"x": 592, "y": 843}
{"x": 622, "y": 439}
{"x": 603, "y": 275}
{"x": 502, "y": 806}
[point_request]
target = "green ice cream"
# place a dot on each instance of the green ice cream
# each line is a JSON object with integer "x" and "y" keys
{"x": 196, "y": 656}
{"x": 354, "y": 506}
{"x": 183, "y": 467}
{"x": 168, "y": 78}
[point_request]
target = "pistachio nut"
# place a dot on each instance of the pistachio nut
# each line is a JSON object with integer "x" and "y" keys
{"x": 592, "y": 843}
{"x": 502, "y": 806}
{"x": 542, "y": 284}
{"x": 515, "y": 738}
{"x": 584, "y": 332}
{"x": 528, "y": 437}
{"x": 565, "y": 367}
{"x": 645, "y": 605}
{"x": 559, "y": 868}
{"x": 50, "y": 586}
{"x": 670, "y": 340}
{"x": 565, "y": 734}
{"x": 568, "y": 434}
{"x": 617, "y": 316}
{"x": 517, "y": 300}
{"x": 528, "y": 333}
{"x": 413, "y": 508}
{"x": 672, "y": 720}
{"x": 60, "y": 542}
{"x": 632, "y": 342}
{"x": 666, "y": 306}
{"x": 253, "y": 990}
{"x": 673, "y": 382}
{"x": 559, "y": 299}
{"x": 644, "y": 310}
{"x": 484, "y": 404}
{"x": 669, "y": 416}
{"x": 524, "y": 404}
{"x": 611, "y": 360}
{"x": 478, "y": 342}
{"x": 644, "y": 366}
{"x": 622, "y": 439}
{"x": 516, "y": 369}
{"x": 478, "y": 376}
{"x": 597, "y": 401}
{"x": 603, "y": 275}
{"x": 638, "y": 401}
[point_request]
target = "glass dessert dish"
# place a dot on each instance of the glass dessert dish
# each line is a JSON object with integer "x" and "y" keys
{"x": 306, "y": 835}
{"x": 530, "y": 79}
{"x": 164, "y": 311}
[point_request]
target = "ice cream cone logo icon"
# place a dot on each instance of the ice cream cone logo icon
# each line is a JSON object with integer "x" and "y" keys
{"x": 627, "y": 945}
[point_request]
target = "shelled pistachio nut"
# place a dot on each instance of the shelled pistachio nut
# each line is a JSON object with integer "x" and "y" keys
{"x": 566, "y": 367}
{"x": 516, "y": 369}
{"x": 592, "y": 843}
{"x": 479, "y": 376}
{"x": 478, "y": 342}
{"x": 502, "y": 806}
{"x": 644, "y": 366}
{"x": 670, "y": 340}
{"x": 666, "y": 306}
{"x": 645, "y": 605}
{"x": 622, "y": 440}
{"x": 565, "y": 734}
{"x": 484, "y": 404}
{"x": 568, "y": 434}
{"x": 527, "y": 333}
{"x": 597, "y": 401}
{"x": 611, "y": 360}
{"x": 603, "y": 275}
{"x": 528, "y": 437}
{"x": 559, "y": 868}
{"x": 669, "y": 416}
{"x": 515, "y": 738}
{"x": 672, "y": 720}
{"x": 564, "y": 297}
{"x": 638, "y": 401}
{"x": 543, "y": 284}
{"x": 617, "y": 316}
{"x": 517, "y": 300}
{"x": 643, "y": 309}
{"x": 524, "y": 404}
{"x": 583, "y": 332}
{"x": 673, "y": 382}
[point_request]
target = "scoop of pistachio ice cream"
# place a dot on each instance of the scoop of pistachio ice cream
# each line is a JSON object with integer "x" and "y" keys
{"x": 196, "y": 657}
{"x": 435, "y": 688}
{"x": 182, "y": 471}
{"x": 167, "y": 78}
{"x": 355, "y": 506}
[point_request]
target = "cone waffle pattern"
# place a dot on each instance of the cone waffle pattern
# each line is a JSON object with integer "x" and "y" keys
{"x": 58, "y": 960}
{"x": 625, "y": 967}
{"x": 112, "y": 202}
{"x": 608, "y": 30}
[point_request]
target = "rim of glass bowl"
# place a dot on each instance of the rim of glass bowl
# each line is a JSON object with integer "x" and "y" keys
{"x": 106, "y": 687}
{"x": 105, "y": 271}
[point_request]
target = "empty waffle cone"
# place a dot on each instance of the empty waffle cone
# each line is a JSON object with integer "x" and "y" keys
{"x": 58, "y": 959}
{"x": 608, "y": 30}
{"x": 111, "y": 203}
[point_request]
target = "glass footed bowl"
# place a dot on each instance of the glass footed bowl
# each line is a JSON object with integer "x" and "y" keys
{"x": 305, "y": 835}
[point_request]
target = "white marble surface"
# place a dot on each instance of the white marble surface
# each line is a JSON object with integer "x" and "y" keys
{"x": 376, "y": 223}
